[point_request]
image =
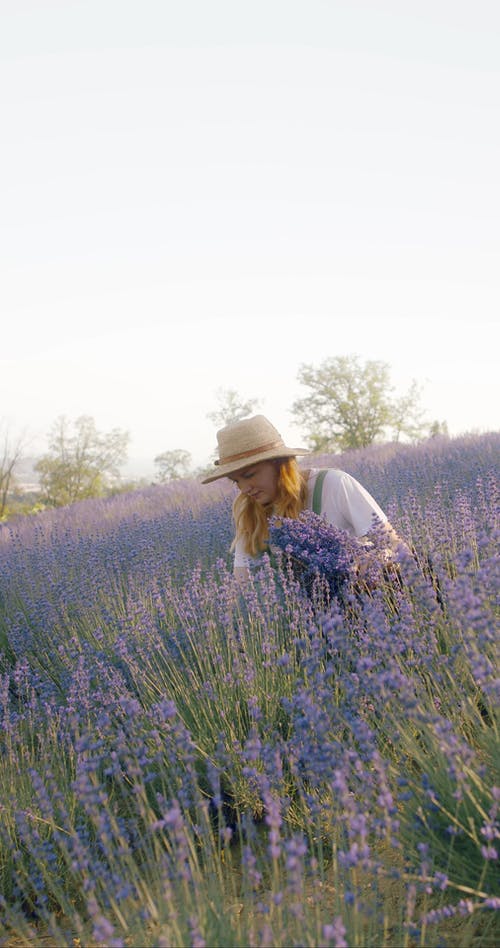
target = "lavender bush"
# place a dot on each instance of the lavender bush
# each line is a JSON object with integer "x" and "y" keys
{"x": 320, "y": 556}
{"x": 182, "y": 764}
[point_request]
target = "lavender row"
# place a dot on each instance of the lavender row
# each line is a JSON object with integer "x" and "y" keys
{"x": 181, "y": 764}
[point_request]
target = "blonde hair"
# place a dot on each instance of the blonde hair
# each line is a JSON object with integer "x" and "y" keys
{"x": 251, "y": 518}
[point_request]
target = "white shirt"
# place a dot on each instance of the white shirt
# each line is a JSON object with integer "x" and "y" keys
{"x": 345, "y": 503}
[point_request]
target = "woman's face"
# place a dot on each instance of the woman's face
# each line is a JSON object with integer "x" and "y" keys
{"x": 259, "y": 481}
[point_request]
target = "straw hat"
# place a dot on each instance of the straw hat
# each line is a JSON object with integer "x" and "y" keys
{"x": 246, "y": 442}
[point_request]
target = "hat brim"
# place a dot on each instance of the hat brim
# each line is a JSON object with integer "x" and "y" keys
{"x": 223, "y": 470}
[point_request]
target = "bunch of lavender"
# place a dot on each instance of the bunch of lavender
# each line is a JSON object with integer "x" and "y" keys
{"x": 315, "y": 549}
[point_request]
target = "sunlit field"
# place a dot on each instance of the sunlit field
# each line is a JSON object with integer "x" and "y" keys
{"x": 185, "y": 765}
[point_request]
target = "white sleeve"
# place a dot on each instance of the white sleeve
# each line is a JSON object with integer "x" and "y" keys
{"x": 346, "y": 504}
{"x": 358, "y": 506}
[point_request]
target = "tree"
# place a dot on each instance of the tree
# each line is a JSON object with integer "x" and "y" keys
{"x": 173, "y": 464}
{"x": 407, "y": 416}
{"x": 231, "y": 407}
{"x": 350, "y": 405}
{"x": 438, "y": 429}
{"x": 10, "y": 455}
{"x": 83, "y": 464}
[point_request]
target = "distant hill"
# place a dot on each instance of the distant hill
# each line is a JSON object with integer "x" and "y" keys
{"x": 139, "y": 468}
{"x": 25, "y": 473}
{"x": 135, "y": 468}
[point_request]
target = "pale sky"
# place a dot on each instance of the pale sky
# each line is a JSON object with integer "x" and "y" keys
{"x": 198, "y": 194}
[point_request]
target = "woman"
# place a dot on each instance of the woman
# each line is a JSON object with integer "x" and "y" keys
{"x": 253, "y": 454}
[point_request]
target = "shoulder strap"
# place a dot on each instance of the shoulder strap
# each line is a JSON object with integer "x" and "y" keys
{"x": 318, "y": 491}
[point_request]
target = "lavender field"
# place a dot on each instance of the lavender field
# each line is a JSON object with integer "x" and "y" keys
{"x": 185, "y": 765}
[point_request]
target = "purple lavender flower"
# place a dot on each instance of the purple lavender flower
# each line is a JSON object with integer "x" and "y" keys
{"x": 335, "y": 932}
{"x": 315, "y": 549}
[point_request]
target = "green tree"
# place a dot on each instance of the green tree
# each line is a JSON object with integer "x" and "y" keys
{"x": 438, "y": 429}
{"x": 80, "y": 463}
{"x": 407, "y": 416}
{"x": 10, "y": 455}
{"x": 231, "y": 407}
{"x": 173, "y": 464}
{"x": 351, "y": 405}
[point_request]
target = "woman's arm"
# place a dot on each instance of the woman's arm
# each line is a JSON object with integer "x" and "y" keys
{"x": 394, "y": 541}
{"x": 385, "y": 551}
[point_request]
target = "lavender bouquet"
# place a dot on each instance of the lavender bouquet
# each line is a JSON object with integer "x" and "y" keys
{"x": 315, "y": 549}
